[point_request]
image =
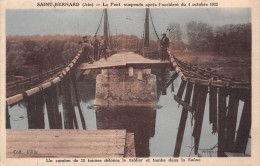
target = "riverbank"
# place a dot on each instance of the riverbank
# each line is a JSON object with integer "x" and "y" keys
{"x": 237, "y": 65}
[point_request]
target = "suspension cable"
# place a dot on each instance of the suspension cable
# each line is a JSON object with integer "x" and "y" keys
{"x": 154, "y": 26}
{"x": 109, "y": 35}
{"x": 99, "y": 23}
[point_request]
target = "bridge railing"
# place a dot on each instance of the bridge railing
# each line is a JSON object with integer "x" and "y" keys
{"x": 206, "y": 77}
{"x": 34, "y": 78}
{"x": 45, "y": 84}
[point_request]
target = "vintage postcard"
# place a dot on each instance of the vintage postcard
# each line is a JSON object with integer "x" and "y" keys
{"x": 129, "y": 82}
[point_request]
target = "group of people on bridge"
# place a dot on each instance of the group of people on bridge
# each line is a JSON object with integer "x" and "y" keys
{"x": 94, "y": 50}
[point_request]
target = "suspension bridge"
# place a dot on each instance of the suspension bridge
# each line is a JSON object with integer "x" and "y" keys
{"x": 196, "y": 83}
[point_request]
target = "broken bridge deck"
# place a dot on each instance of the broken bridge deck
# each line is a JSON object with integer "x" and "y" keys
{"x": 125, "y": 60}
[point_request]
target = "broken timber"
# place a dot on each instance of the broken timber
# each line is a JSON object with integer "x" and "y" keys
{"x": 182, "y": 123}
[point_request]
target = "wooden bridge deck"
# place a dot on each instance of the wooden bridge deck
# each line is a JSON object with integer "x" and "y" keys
{"x": 124, "y": 60}
{"x": 69, "y": 143}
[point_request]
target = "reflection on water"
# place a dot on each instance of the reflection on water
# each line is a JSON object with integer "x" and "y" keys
{"x": 140, "y": 121}
{"x": 137, "y": 103}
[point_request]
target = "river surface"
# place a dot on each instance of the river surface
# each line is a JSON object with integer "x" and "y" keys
{"x": 155, "y": 128}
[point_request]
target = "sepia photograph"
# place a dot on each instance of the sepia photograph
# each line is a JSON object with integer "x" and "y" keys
{"x": 136, "y": 84}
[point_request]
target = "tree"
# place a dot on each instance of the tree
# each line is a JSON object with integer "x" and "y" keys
{"x": 200, "y": 36}
{"x": 175, "y": 36}
{"x": 234, "y": 38}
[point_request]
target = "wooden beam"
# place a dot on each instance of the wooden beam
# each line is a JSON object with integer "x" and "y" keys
{"x": 174, "y": 76}
{"x": 195, "y": 98}
{"x": 244, "y": 128}
{"x": 126, "y": 65}
{"x": 66, "y": 143}
{"x": 183, "y": 103}
{"x": 181, "y": 89}
{"x": 213, "y": 108}
{"x": 199, "y": 115}
{"x": 182, "y": 123}
{"x": 50, "y": 96}
{"x": 221, "y": 121}
{"x": 232, "y": 119}
{"x": 35, "y": 111}
{"x": 76, "y": 92}
{"x": 7, "y": 118}
{"x": 68, "y": 108}
{"x": 130, "y": 145}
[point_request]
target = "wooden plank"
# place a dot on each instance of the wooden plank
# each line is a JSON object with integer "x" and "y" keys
{"x": 181, "y": 89}
{"x": 90, "y": 139}
{"x": 136, "y": 65}
{"x": 182, "y": 123}
{"x": 199, "y": 115}
{"x": 76, "y": 92}
{"x": 71, "y": 152}
{"x": 183, "y": 103}
{"x": 130, "y": 145}
{"x": 7, "y": 118}
{"x": 35, "y": 111}
{"x": 174, "y": 76}
{"x": 68, "y": 108}
{"x": 213, "y": 108}
{"x": 51, "y": 100}
{"x": 232, "y": 119}
{"x": 244, "y": 128}
{"x": 86, "y": 66}
{"x": 221, "y": 121}
{"x": 195, "y": 98}
{"x": 66, "y": 132}
{"x": 145, "y": 65}
{"x": 66, "y": 143}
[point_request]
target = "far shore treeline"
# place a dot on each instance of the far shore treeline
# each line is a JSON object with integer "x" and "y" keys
{"x": 29, "y": 55}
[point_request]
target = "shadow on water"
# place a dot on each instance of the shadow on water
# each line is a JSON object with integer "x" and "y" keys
{"x": 144, "y": 103}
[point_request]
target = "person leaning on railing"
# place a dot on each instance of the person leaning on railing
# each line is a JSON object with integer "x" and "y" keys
{"x": 87, "y": 50}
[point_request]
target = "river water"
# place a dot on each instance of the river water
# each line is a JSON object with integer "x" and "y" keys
{"x": 155, "y": 128}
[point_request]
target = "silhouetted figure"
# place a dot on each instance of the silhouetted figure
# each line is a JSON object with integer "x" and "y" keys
{"x": 164, "y": 46}
{"x": 103, "y": 47}
{"x": 95, "y": 44}
{"x": 88, "y": 50}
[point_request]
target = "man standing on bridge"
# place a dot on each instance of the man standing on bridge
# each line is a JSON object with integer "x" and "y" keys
{"x": 103, "y": 47}
{"x": 95, "y": 44}
{"x": 164, "y": 46}
{"x": 88, "y": 50}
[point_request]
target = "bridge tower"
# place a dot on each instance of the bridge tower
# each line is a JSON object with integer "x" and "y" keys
{"x": 106, "y": 26}
{"x": 146, "y": 33}
{"x": 146, "y": 25}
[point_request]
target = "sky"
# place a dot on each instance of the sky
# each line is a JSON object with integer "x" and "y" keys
{"x": 122, "y": 21}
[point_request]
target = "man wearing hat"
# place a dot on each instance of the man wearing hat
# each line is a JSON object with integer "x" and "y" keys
{"x": 164, "y": 46}
{"x": 95, "y": 44}
{"x": 88, "y": 50}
